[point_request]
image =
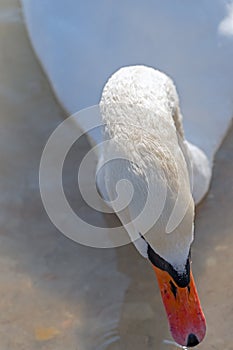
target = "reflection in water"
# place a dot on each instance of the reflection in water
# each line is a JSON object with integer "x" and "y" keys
{"x": 169, "y": 342}
{"x": 56, "y": 294}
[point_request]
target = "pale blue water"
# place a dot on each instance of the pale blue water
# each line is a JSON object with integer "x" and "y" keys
{"x": 56, "y": 294}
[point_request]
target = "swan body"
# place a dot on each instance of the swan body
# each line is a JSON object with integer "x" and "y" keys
{"x": 143, "y": 126}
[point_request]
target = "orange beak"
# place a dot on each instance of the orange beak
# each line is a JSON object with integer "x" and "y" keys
{"x": 182, "y": 305}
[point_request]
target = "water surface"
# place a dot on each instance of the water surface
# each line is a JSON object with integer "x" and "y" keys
{"x": 57, "y": 294}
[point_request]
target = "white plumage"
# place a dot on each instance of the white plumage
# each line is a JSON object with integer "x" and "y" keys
{"x": 140, "y": 108}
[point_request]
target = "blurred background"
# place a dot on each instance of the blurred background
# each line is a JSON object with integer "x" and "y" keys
{"x": 55, "y": 57}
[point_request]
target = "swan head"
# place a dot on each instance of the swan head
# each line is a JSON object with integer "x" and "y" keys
{"x": 140, "y": 109}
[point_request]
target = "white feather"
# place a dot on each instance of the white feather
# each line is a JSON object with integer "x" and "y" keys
{"x": 141, "y": 110}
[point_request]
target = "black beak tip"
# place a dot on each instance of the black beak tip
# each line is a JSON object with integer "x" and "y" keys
{"x": 192, "y": 340}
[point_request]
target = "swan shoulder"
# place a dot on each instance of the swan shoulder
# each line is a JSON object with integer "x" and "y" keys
{"x": 201, "y": 172}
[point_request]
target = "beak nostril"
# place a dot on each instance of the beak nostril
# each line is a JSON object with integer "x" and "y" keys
{"x": 192, "y": 340}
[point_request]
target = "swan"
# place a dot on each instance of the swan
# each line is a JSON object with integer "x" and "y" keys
{"x": 145, "y": 137}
